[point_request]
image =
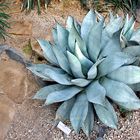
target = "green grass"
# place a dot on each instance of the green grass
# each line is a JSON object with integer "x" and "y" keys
{"x": 29, "y": 5}
{"x": 28, "y": 48}
{"x": 128, "y": 6}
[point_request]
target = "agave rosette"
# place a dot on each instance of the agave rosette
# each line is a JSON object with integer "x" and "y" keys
{"x": 91, "y": 64}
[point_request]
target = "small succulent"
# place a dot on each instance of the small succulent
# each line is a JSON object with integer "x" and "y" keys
{"x": 90, "y": 65}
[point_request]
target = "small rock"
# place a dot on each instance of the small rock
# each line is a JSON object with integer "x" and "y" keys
{"x": 21, "y": 28}
{"x": 15, "y": 87}
{"x": 102, "y": 131}
{"x": 14, "y": 80}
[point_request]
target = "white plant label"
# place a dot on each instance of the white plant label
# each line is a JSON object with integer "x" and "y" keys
{"x": 64, "y": 128}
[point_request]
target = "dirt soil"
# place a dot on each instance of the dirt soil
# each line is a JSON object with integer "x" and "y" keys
{"x": 22, "y": 118}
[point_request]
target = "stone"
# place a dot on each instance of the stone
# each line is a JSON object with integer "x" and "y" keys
{"x": 16, "y": 86}
{"x": 13, "y": 81}
{"x": 21, "y": 28}
{"x": 7, "y": 111}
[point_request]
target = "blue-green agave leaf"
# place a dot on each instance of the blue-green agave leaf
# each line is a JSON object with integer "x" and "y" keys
{"x": 130, "y": 105}
{"x": 58, "y": 76}
{"x": 123, "y": 41}
{"x": 121, "y": 93}
{"x": 135, "y": 87}
{"x": 85, "y": 62}
{"x": 96, "y": 93}
{"x": 99, "y": 16}
{"x": 77, "y": 26}
{"x": 94, "y": 41}
{"x": 105, "y": 39}
{"x": 92, "y": 73}
{"x": 62, "y": 95}
{"x": 75, "y": 65}
{"x": 79, "y": 112}
{"x": 132, "y": 43}
{"x": 74, "y": 36}
{"x": 112, "y": 46}
{"x": 107, "y": 114}
{"x": 133, "y": 50}
{"x": 80, "y": 82}
{"x": 113, "y": 26}
{"x": 47, "y": 51}
{"x": 136, "y": 36}
{"x": 38, "y": 69}
{"x": 45, "y": 91}
{"x": 62, "y": 35}
{"x": 69, "y": 23}
{"x": 63, "y": 112}
{"x": 137, "y": 62}
{"x": 62, "y": 59}
{"x": 129, "y": 33}
{"x": 87, "y": 125}
{"x": 110, "y": 29}
{"x": 39, "y": 74}
{"x": 71, "y": 40}
{"x": 43, "y": 67}
{"x": 126, "y": 74}
{"x": 111, "y": 17}
{"x": 87, "y": 24}
{"x": 128, "y": 24}
{"x": 113, "y": 62}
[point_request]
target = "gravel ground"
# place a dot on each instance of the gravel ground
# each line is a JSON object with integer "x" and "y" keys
{"x": 128, "y": 129}
{"x": 31, "y": 120}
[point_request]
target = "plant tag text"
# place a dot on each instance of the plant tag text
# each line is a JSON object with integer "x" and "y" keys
{"x": 63, "y": 128}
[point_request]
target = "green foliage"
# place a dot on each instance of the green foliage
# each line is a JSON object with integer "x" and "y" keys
{"x": 3, "y": 20}
{"x": 30, "y": 4}
{"x": 128, "y": 6}
{"x": 28, "y": 48}
{"x": 104, "y": 5}
{"x": 122, "y": 110}
{"x": 90, "y": 63}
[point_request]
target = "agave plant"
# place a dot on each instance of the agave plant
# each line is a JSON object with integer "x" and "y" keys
{"x": 3, "y": 20}
{"x": 90, "y": 65}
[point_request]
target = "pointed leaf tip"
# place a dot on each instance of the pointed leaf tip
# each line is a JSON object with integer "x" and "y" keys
{"x": 107, "y": 114}
{"x": 96, "y": 93}
{"x": 75, "y": 65}
{"x": 94, "y": 41}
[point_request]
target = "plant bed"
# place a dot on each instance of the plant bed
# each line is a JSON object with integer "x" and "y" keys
{"x": 90, "y": 64}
